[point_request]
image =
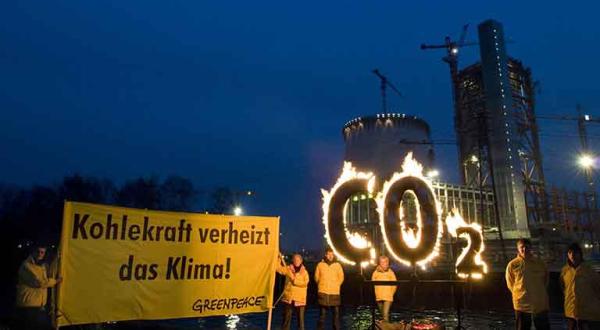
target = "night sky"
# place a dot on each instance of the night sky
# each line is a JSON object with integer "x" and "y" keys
{"x": 253, "y": 94}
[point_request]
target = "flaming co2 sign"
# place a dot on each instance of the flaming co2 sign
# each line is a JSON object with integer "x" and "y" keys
{"x": 411, "y": 245}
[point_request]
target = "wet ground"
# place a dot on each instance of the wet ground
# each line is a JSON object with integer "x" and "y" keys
{"x": 486, "y": 304}
{"x": 352, "y": 318}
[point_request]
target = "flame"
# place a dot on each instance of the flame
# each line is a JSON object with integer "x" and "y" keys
{"x": 410, "y": 168}
{"x": 454, "y": 221}
{"x": 357, "y": 240}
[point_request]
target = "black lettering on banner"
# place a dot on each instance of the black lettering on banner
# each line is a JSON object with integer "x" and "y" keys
{"x": 184, "y": 268}
{"x": 123, "y": 226}
{"x": 244, "y": 237}
{"x": 147, "y": 236}
{"x": 79, "y": 226}
{"x": 214, "y": 235}
{"x": 158, "y": 230}
{"x": 140, "y": 271}
{"x": 111, "y": 228}
{"x": 170, "y": 234}
{"x": 125, "y": 270}
{"x": 96, "y": 230}
{"x": 231, "y": 235}
{"x": 134, "y": 232}
{"x": 225, "y": 304}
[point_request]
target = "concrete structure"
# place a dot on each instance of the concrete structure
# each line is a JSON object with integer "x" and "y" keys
{"x": 497, "y": 135}
{"x": 379, "y": 143}
{"x": 502, "y": 136}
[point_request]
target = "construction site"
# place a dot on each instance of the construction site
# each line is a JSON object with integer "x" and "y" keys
{"x": 503, "y": 186}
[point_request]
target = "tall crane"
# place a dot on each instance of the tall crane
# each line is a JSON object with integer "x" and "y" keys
{"x": 586, "y": 158}
{"x": 452, "y": 49}
{"x": 385, "y": 83}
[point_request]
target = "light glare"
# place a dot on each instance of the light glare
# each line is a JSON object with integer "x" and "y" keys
{"x": 586, "y": 161}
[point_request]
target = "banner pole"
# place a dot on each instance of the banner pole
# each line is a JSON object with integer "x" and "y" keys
{"x": 270, "y": 318}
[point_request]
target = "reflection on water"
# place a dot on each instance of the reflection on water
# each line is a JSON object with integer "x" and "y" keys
{"x": 232, "y": 321}
{"x": 352, "y": 318}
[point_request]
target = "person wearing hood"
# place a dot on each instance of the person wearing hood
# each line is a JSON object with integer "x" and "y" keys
{"x": 581, "y": 288}
{"x": 384, "y": 294}
{"x": 294, "y": 291}
{"x": 527, "y": 279}
{"x": 32, "y": 290}
{"x": 329, "y": 276}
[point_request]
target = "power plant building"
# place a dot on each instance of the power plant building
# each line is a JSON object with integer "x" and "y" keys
{"x": 496, "y": 132}
{"x": 379, "y": 143}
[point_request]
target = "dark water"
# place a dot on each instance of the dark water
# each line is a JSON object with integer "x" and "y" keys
{"x": 487, "y": 305}
{"x": 352, "y": 318}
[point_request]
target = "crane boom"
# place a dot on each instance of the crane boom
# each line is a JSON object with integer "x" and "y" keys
{"x": 384, "y": 84}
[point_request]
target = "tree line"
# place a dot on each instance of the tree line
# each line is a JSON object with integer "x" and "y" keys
{"x": 34, "y": 214}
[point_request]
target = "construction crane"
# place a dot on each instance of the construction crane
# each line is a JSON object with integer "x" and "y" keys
{"x": 452, "y": 49}
{"x": 385, "y": 83}
{"x": 586, "y": 157}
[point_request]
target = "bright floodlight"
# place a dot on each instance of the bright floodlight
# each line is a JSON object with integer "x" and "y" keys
{"x": 586, "y": 161}
{"x": 238, "y": 210}
{"x": 455, "y": 50}
{"x": 433, "y": 174}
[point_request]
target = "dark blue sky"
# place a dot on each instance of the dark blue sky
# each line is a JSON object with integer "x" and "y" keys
{"x": 253, "y": 94}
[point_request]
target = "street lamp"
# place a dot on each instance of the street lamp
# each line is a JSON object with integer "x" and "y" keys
{"x": 586, "y": 161}
{"x": 237, "y": 211}
{"x": 433, "y": 174}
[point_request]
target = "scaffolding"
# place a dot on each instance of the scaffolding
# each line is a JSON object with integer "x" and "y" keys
{"x": 471, "y": 122}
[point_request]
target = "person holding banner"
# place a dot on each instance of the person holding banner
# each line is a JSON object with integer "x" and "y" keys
{"x": 329, "y": 276}
{"x": 384, "y": 294}
{"x": 32, "y": 290}
{"x": 294, "y": 291}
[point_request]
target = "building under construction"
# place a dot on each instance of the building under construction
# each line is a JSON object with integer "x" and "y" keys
{"x": 503, "y": 185}
{"x": 499, "y": 147}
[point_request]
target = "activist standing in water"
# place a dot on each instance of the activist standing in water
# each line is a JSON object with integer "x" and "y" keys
{"x": 294, "y": 291}
{"x": 384, "y": 294}
{"x": 329, "y": 276}
{"x": 527, "y": 279}
{"x": 581, "y": 288}
{"x": 32, "y": 291}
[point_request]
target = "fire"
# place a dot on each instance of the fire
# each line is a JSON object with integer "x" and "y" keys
{"x": 410, "y": 168}
{"x": 454, "y": 221}
{"x": 356, "y": 239}
{"x": 469, "y": 264}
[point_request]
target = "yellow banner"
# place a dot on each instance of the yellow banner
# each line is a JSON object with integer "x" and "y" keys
{"x": 130, "y": 264}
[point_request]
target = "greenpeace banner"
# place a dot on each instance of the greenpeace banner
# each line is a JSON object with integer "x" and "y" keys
{"x": 124, "y": 264}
